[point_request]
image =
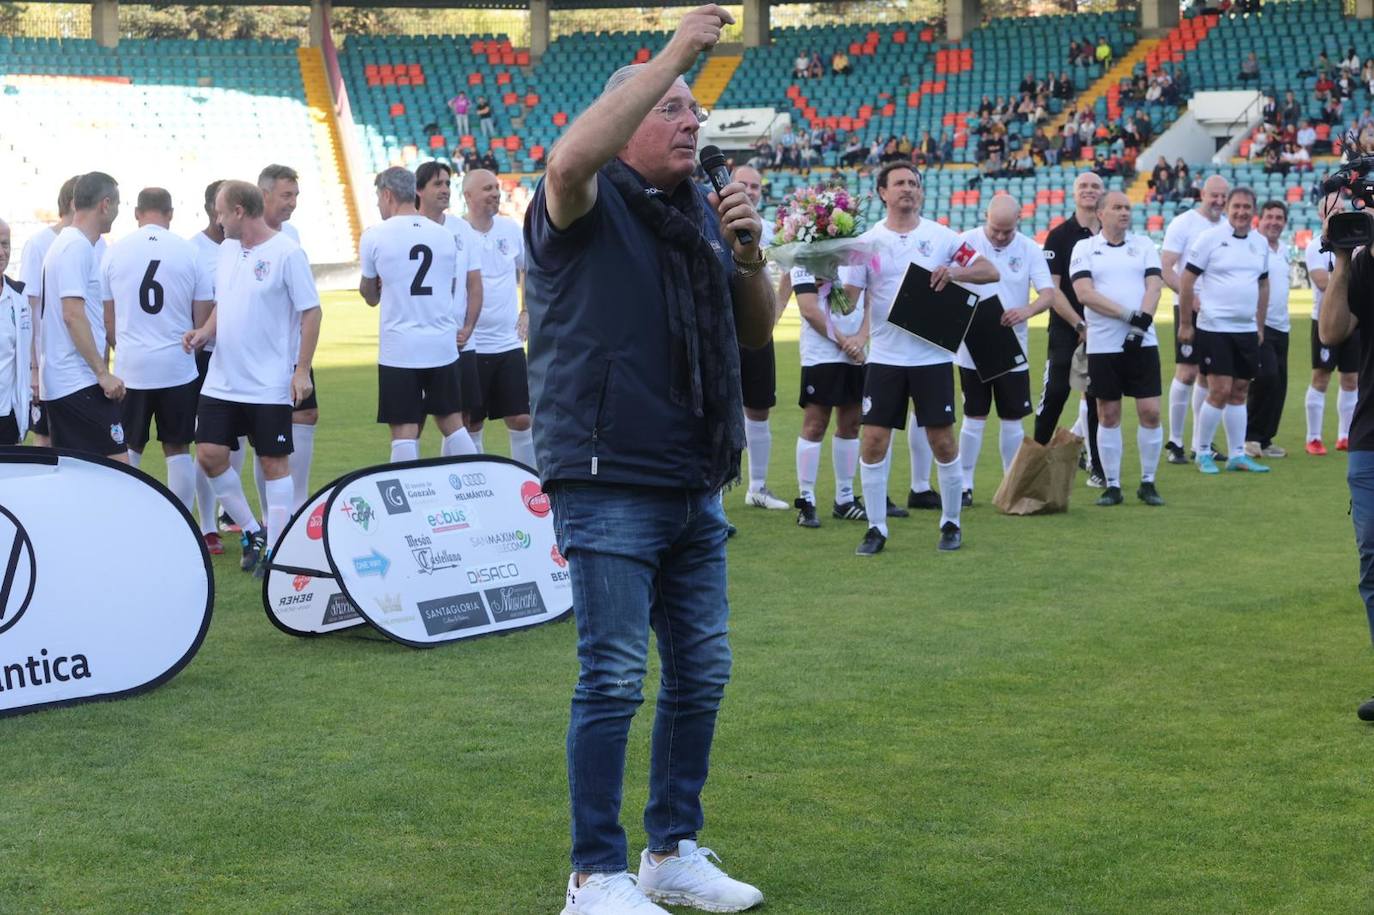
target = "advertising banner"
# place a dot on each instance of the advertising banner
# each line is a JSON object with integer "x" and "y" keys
{"x": 427, "y": 552}
{"x": 83, "y": 616}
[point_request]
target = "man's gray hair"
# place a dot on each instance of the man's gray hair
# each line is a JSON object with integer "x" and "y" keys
{"x": 621, "y": 76}
{"x": 399, "y": 181}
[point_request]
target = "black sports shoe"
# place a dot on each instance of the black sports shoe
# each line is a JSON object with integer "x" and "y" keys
{"x": 853, "y": 510}
{"x": 1083, "y": 457}
{"x": 966, "y": 500}
{"x": 929, "y": 499}
{"x": 806, "y": 513}
{"x": 896, "y": 511}
{"x": 1148, "y": 494}
{"x": 873, "y": 543}
{"x": 1110, "y": 496}
{"x": 226, "y": 523}
{"x": 260, "y": 570}
{"x": 1176, "y": 453}
{"x": 1211, "y": 449}
{"x": 254, "y": 548}
{"x": 951, "y": 537}
{"x": 1366, "y": 710}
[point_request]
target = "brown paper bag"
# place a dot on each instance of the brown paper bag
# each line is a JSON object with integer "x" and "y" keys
{"x": 1040, "y": 478}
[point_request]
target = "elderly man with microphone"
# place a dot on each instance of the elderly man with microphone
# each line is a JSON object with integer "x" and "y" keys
{"x": 640, "y": 289}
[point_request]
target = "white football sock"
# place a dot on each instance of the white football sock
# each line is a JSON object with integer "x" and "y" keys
{"x": 1109, "y": 449}
{"x": 205, "y": 502}
{"x": 1234, "y": 419}
{"x": 844, "y": 456}
{"x": 404, "y": 449}
{"x": 280, "y": 496}
{"x": 874, "y": 477}
{"x": 228, "y": 487}
{"x": 1080, "y": 425}
{"x": 239, "y": 455}
{"x": 921, "y": 456}
{"x": 758, "y": 438}
{"x": 135, "y": 458}
{"x": 1316, "y": 413}
{"x": 1180, "y": 396}
{"x": 260, "y": 479}
{"x": 181, "y": 478}
{"x": 1199, "y": 398}
{"x": 1151, "y": 443}
{"x": 970, "y": 444}
{"x": 458, "y": 443}
{"x": 1345, "y": 411}
{"x": 1009, "y": 439}
{"x": 808, "y": 468}
{"x": 477, "y": 439}
{"x": 303, "y": 445}
{"x": 951, "y": 477}
{"x": 522, "y": 446}
{"x": 1208, "y": 418}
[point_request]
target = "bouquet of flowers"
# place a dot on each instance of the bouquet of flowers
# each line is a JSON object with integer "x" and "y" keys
{"x": 818, "y": 229}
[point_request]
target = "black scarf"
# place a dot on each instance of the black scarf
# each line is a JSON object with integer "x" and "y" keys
{"x": 705, "y": 350}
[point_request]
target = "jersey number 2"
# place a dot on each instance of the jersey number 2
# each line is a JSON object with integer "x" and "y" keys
{"x": 425, "y": 256}
{"x": 150, "y": 293}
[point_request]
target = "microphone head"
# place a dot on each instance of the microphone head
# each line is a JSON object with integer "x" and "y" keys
{"x": 711, "y": 157}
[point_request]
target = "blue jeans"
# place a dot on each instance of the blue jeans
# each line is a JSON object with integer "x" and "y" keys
{"x": 1360, "y": 476}
{"x": 641, "y": 558}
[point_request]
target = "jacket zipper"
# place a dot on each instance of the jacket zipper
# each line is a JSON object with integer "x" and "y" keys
{"x": 596, "y": 423}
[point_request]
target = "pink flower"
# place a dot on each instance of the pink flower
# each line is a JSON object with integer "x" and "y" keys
{"x": 832, "y": 229}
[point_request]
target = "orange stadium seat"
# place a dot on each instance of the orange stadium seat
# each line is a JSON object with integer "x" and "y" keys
{"x": 512, "y": 143}
{"x": 437, "y": 141}
{"x": 467, "y": 141}
{"x": 397, "y": 109}
{"x": 1294, "y": 194}
{"x": 474, "y": 79}
{"x": 510, "y": 98}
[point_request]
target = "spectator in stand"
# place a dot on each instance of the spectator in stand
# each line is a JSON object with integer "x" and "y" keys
{"x": 1296, "y": 158}
{"x": 484, "y": 113}
{"x": 763, "y": 155}
{"x": 1028, "y": 86}
{"x": 1040, "y": 147}
{"x": 488, "y": 161}
{"x": 1063, "y": 89}
{"x": 1273, "y": 160}
{"x": 1264, "y": 137}
{"x": 946, "y": 148}
{"x": 801, "y": 67}
{"x": 1322, "y": 90}
{"x": 1103, "y": 52}
{"x": 1307, "y": 135}
{"x": 905, "y": 147}
{"x": 1025, "y": 109}
{"x": 875, "y": 152}
{"x": 1055, "y": 153}
{"x": 1269, "y": 114}
{"x": 817, "y": 68}
{"x": 839, "y": 64}
{"x": 1023, "y": 164}
{"x": 992, "y": 166}
{"x": 1323, "y": 64}
{"x": 995, "y": 143}
{"x": 471, "y": 161}
{"x": 1291, "y": 111}
{"x": 459, "y": 106}
{"x": 985, "y": 107}
{"x": 1087, "y": 128}
{"x": 1367, "y": 75}
{"x": 1333, "y": 113}
{"x": 1074, "y": 52}
{"x": 854, "y": 152}
{"x": 890, "y": 153}
{"x": 1249, "y": 68}
{"x": 1345, "y": 84}
{"x": 1085, "y": 52}
{"x": 1155, "y": 90}
{"x": 1351, "y": 61}
{"x": 1071, "y": 145}
{"x": 1183, "y": 180}
{"x": 1161, "y": 176}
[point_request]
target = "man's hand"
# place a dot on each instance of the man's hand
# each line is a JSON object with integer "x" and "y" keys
{"x": 111, "y": 385}
{"x": 736, "y": 213}
{"x": 698, "y": 31}
{"x": 463, "y": 334}
{"x": 1014, "y": 316}
{"x": 1185, "y": 333}
{"x": 522, "y": 326}
{"x": 33, "y": 381}
{"x": 939, "y": 278}
{"x": 1260, "y": 334}
{"x": 300, "y": 385}
{"x": 196, "y": 339}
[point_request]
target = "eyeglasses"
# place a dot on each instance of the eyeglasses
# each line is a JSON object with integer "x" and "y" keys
{"x": 673, "y": 110}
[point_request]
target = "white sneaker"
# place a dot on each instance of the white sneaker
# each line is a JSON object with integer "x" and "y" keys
{"x": 691, "y": 879}
{"x": 608, "y": 894}
{"x": 764, "y": 498}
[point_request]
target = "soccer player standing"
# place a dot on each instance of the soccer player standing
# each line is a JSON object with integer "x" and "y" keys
{"x": 1116, "y": 275}
{"x": 409, "y": 267}
{"x": 1342, "y": 358}
{"x": 1270, "y": 388}
{"x": 157, "y": 290}
{"x": 502, "y": 324}
{"x": 16, "y": 348}
{"x": 1021, "y": 265}
{"x": 31, "y": 276}
{"x": 81, "y": 394}
{"x": 207, "y": 242}
{"x": 1067, "y": 325}
{"x": 1228, "y": 272}
{"x": 1186, "y": 388}
{"x": 902, "y": 368}
{"x": 263, "y": 286}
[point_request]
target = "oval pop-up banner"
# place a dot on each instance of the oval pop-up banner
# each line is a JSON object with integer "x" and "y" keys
{"x": 299, "y": 592}
{"x": 80, "y": 618}
{"x": 438, "y": 550}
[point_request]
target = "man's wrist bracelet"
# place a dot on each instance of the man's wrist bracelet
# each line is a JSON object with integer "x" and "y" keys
{"x": 749, "y": 268}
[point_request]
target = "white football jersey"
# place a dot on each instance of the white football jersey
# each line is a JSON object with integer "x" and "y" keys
{"x": 259, "y": 295}
{"x": 70, "y": 270}
{"x": 501, "y": 252}
{"x": 817, "y": 348}
{"x": 153, "y": 276}
{"x": 1182, "y": 229}
{"x": 1317, "y": 259}
{"x": 417, "y": 262}
{"x": 1021, "y": 265}
{"x": 1118, "y": 272}
{"x": 469, "y": 250}
{"x": 1228, "y": 268}
{"x": 1277, "y": 315}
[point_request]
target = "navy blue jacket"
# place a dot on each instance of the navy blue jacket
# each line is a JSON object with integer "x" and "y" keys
{"x": 600, "y": 346}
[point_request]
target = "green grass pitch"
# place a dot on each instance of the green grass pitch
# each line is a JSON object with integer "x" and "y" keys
{"x": 1126, "y": 710}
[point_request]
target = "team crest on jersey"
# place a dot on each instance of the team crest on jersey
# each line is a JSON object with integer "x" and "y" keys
{"x": 867, "y": 404}
{"x": 1186, "y": 349}
{"x": 1326, "y": 354}
{"x": 502, "y": 246}
{"x": 117, "y": 433}
{"x": 1014, "y": 265}
{"x": 924, "y": 247}
{"x": 261, "y": 269}
{"x": 1130, "y": 250}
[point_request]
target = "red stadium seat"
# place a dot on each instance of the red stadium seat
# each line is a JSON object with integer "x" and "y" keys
{"x": 403, "y": 80}
{"x": 503, "y": 78}
{"x": 437, "y": 142}
{"x": 414, "y": 70}
{"x": 889, "y": 110}
{"x": 531, "y": 99}
{"x": 522, "y": 58}
{"x": 1302, "y": 238}
{"x": 855, "y": 49}
{"x": 1155, "y": 223}
{"x": 1027, "y": 210}
{"x": 467, "y": 141}
{"x": 536, "y": 152}
{"x": 479, "y": 47}
{"x": 512, "y": 143}
{"x": 474, "y": 79}
{"x": 1056, "y": 222}
{"x": 1042, "y": 236}
{"x": 388, "y": 79}
{"x": 510, "y": 98}
{"x": 508, "y": 58}
{"x": 1057, "y": 196}
{"x": 913, "y": 99}
{"x": 397, "y": 109}
{"x": 1323, "y": 132}
{"x": 560, "y": 119}
{"x": 927, "y": 35}
{"x": 496, "y": 143}
{"x": 1294, "y": 194}
{"x": 899, "y": 36}
{"x": 642, "y": 56}
{"x": 942, "y": 220}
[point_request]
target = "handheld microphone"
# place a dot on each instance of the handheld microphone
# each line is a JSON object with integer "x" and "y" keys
{"x": 713, "y": 162}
